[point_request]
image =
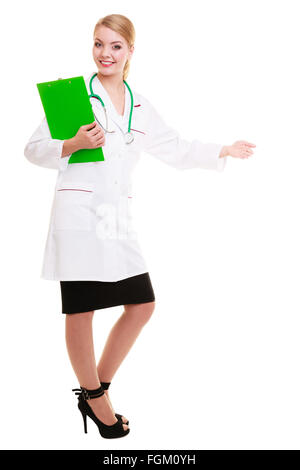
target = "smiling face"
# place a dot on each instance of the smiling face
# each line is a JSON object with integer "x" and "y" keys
{"x": 110, "y": 51}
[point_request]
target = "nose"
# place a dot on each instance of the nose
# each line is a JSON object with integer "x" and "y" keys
{"x": 105, "y": 53}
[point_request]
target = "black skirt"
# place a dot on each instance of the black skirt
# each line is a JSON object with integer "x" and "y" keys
{"x": 84, "y": 296}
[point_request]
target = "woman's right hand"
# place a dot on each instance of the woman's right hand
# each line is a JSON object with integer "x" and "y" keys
{"x": 90, "y": 136}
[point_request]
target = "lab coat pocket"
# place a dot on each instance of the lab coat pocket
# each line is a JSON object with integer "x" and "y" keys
{"x": 73, "y": 205}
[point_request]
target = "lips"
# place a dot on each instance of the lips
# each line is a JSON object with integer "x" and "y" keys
{"x": 106, "y": 63}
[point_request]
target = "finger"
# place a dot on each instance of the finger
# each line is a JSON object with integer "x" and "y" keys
{"x": 100, "y": 144}
{"x": 95, "y": 132}
{"x": 248, "y": 144}
{"x": 101, "y": 140}
{"x": 239, "y": 143}
{"x": 89, "y": 126}
{"x": 100, "y": 129}
{"x": 246, "y": 151}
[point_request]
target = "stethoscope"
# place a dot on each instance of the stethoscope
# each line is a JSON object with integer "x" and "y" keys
{"x": 128, "y": 136}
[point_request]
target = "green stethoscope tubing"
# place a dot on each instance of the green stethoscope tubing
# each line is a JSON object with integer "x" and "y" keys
{"x": 93, "y": 95}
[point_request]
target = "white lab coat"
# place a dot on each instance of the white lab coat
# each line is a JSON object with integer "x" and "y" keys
{"x": 91, "y": 235}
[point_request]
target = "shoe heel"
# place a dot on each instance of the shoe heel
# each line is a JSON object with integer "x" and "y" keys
{"x": 84, "y": 415}
{"x": 84, "y": 422}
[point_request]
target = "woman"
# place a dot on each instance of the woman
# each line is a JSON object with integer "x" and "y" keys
{"x": 92, "y": 248}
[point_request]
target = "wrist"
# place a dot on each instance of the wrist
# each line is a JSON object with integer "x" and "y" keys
{"x": 70, "y": 146}
{"x": 225, "y": 152}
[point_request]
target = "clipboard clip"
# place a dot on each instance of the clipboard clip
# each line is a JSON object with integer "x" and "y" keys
{"x": 62, "y": 79}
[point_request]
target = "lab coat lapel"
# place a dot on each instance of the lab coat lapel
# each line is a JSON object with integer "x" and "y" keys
{"x": 122, "y": 121}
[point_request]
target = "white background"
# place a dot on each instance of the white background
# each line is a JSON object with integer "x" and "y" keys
{"x": 217, "y": 366}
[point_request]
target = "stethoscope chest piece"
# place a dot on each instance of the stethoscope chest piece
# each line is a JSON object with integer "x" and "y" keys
{"x": 128, "y": 138}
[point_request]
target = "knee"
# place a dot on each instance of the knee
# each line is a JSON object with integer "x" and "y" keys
{"x": 148, "y": 310}
{"x": 80, "y": 317}
{"x": 140, "y": 312}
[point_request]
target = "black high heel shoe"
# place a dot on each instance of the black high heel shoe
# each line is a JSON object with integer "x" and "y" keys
{"x": 105, "y": 386}
{"x": 105, "y": 430}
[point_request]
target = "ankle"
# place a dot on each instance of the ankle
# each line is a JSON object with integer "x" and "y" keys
{"x": 105, "y": 381}
{"x": 91, "y": 387}
{"x": 88, "y": 394}
{"x": 98, "y": 401}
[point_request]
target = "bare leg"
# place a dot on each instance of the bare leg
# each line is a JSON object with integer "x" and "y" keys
{"x": 121, "y": 338}
{"x": 80, "y": 346}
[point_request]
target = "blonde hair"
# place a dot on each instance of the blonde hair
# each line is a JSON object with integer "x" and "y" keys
{"x": 123, "y": 26}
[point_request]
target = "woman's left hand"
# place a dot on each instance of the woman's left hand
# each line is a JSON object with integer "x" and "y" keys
{"x": 240, "y": 149}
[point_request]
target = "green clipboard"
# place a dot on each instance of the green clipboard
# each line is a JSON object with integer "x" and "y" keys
{"x": 67, "y": 107}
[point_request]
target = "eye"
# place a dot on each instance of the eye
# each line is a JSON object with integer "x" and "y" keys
{"x": 119, "y": 47}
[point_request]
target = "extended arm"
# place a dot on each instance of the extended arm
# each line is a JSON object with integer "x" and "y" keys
{"x": 165, "y": 143}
